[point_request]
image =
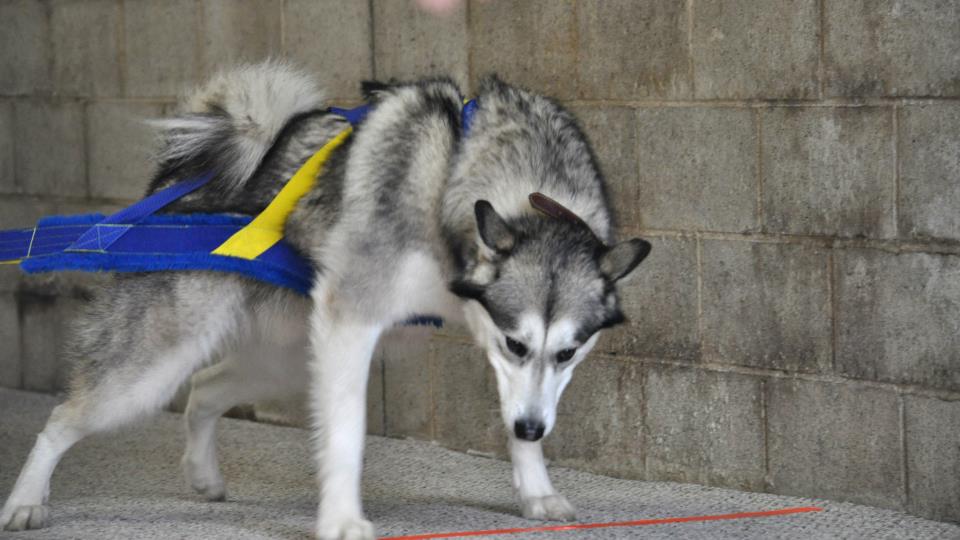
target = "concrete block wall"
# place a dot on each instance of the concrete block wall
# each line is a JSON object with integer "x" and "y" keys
{"x": 796, "y": 165}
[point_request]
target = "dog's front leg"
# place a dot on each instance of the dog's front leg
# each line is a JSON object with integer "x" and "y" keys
{"x": 341, "y": 364}
{"x": 538, "y": 498}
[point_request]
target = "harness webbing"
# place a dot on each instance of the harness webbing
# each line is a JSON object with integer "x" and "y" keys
{"x": 267, "y": 228}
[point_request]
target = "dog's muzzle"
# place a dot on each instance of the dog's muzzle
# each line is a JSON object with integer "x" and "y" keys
{"x": 528, "y": 430}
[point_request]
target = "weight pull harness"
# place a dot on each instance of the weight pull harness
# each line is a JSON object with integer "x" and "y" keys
{"x": 137, "y": 239}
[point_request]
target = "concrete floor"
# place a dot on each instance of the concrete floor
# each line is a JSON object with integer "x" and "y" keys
{"x": 128, "y": 485}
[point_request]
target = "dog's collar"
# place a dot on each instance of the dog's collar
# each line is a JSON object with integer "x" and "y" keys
{"x": 356, "y": 115}
{"x": 466, "y": 114}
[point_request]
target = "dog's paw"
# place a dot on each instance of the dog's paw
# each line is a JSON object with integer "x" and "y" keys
{"x": 549, "y": 508}
{"x": 351, "y": 529}
{"x": 204, "y": 479}
{"x": 211, "y": 491}
{"x": 23, "y": 518}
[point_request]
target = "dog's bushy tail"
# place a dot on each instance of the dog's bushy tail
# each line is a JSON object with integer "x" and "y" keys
{"x": 227, "y": 125}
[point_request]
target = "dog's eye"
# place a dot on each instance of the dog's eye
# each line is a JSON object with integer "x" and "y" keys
{"x": 565, "y": 355}
{"x": 516, "y": 347}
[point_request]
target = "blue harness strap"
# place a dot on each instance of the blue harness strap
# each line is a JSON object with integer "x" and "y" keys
{"x": 354, "y": 115}
{"x": 101, "y": 235}
{"x": 358, "y": 114}
{"x": 90, "y": 232}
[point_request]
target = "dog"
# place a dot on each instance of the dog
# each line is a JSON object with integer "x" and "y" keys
{"x": 415, "y": 213}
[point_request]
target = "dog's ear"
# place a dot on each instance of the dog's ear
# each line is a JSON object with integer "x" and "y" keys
{"x": 494, "y": 231}
{"x": 374, "y": 90}
{"x": 621, "y": 259}
{"x": 491, "y": 82}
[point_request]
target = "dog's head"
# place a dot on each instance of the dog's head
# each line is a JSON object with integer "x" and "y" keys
{"x": 538, "y": 295}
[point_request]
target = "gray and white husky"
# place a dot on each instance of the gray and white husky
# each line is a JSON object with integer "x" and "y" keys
{"x": 411, "y": 216}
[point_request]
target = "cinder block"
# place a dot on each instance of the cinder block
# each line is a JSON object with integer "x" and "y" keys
{"x": 745, "y": 50}
{"x": 295, "y": 410}
{"x": 375, "y": 402}
{"x": 121, "y": 145}
{"x": 933, "y": 456}
{"x": 457, "y": 330}
{"x": 407, "y": 382}
{"x": 633, "y": 50}
{"x": 612, "y": 132}
{"x": 8, "y": 183}
{"x": 897, "y": 317}
{"x": 929, "y": 169}
{"x": 600, "y": 420}
{"x": 829, "y": 171}
{"x": 180, "y": 399}
{"x": 43, "y": 329}
{"x": 50, "y": 147}
{"x": 410, "y": 43}
{"x": 20, "y": 211}
{"x": 704, "y": 427}
{"x": 332, "y": 39}
{"x": 24, "y": 47}
{"x": 86, "y": 47}
{"x": 9, "y": 278}
{"x": 10, "y": 369}
{"x": 466, "y": 403}
{"x": 162, "y": 47}
{"x": 236, "y": 31}
{"x": 532, "y": 44}
{"x": 288, "y": 412}
{"x": 9, "y": 273}
{"x": 835, "y": 441}
{"x": 660, "y": 301}
{"x": 698, "y": 169}
{"x": 79, "y": 206}
{"x": 766, "y": 305}
{"x": 892, "y": 48}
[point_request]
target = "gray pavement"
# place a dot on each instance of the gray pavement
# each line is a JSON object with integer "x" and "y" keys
{"x": 128, "y": 485}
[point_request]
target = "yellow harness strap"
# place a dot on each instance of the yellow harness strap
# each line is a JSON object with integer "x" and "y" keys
{"x": 267, "y": 228}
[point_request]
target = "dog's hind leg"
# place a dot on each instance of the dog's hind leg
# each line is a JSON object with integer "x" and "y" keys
{"x": 239, "y": 379}
{"x": 80, "y": 417}
{"x": 25, "y": 507}
{"x": 130, "y": 360}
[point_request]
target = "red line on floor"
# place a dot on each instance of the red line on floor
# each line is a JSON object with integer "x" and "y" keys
{"x": 637, "y": 523}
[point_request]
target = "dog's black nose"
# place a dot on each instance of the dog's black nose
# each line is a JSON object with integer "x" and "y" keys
{"x": 528, "y": 430}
